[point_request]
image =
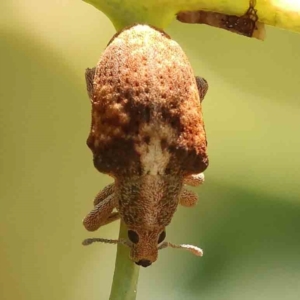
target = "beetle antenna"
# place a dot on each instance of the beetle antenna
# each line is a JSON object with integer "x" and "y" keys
{"x": 87, "y": 242}
{"x": 195, "y": 250}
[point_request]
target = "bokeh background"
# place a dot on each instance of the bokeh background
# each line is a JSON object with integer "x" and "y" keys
{"x": 248, "y": 216}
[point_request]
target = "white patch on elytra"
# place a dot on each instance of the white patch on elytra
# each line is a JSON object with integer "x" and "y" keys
{"x": 154, "y": 159}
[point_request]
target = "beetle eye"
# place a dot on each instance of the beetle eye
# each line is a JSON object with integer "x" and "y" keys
{"x": 162, "y": 236}
{"x": 133, "y": 236}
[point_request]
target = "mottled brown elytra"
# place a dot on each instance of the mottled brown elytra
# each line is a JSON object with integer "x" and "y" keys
{"x": 148, "y": 134}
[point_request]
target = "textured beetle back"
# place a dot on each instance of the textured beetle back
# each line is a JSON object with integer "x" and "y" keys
{"x": 146, "y": 108}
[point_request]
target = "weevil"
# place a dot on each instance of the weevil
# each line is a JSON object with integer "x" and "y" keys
{"x": 148, "y": 134}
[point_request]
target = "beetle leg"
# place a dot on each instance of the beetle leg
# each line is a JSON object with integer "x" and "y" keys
{"x": 102, "y": 213}
{"x": 194, "y": 180}
{"x": 107, "y": 191}
{"x": 188, "y": 198}
{"x": 202, "y": 86}
{"x": 89, "y": 78}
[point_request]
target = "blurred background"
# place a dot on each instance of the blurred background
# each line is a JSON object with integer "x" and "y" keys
{"x": 248, "y": 216}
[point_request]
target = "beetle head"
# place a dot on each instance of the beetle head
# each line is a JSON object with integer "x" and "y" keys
{"x": 144, "y": 244}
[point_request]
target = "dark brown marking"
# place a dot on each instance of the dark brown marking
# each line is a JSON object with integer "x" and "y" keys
{"x": 147, "y": 139}
{"x": 245, "y": 25}
{"x": 163, "y": 144}
{"x": 189, "y": 161}
{"x": 110, "y": 157}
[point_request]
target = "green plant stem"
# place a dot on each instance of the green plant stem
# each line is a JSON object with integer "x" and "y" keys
{"x": 126, "y": 273}
{"x": 280, "y": 13}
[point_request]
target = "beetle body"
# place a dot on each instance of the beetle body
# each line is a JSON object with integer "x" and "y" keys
{"x": 147, "y": 133}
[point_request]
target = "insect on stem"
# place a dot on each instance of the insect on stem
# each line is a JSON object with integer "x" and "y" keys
{"x": 148, "y": 134}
